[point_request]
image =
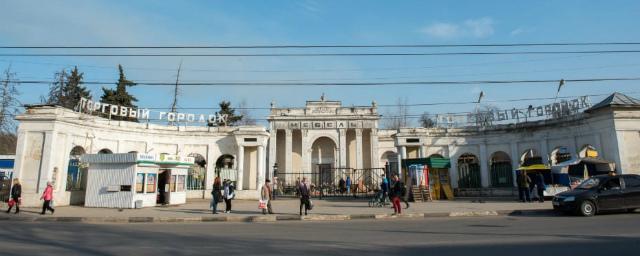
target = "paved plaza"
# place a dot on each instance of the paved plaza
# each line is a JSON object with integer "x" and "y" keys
{"x": 290, "y": 207}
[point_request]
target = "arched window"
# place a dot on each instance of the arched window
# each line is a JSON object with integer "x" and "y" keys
{"x": 105, "y": 151}
{"x": 560, "y": 155}
{"x": 75, "y": 175}
{"x": 588, "y": 151}
{"x": 529, "y": 156}
{"x": 501, "y": 170}
{"x": 197, "y": 173}
{"x": 225, "y": 168}
{"x": 468, "y": 171}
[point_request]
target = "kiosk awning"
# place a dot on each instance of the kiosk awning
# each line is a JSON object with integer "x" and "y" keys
{"x": 432, "y": 162}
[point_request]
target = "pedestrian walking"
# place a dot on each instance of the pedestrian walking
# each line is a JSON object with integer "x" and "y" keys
{"x": 348, "y": 184}
{"x": 265, "y": 197}
{"x": 540, "y": 186}
{"x": 228, "y": 195}
{"x": 305, "y": 196}
{"x": 342, "y": 185}
{"x": 524, "y": 182}
{"x": 47, "y": 196}
{"x": 16, "y": 196}
{"x": 397, "y": 192}
{"x": 384, "y": 186}
{"x": 275, "y": 186}
{"x": 216, "y": 195}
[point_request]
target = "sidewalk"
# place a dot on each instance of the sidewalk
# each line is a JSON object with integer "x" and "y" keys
{"x": 285, "y": 209}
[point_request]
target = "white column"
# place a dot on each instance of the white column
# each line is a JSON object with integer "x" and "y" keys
{"x": 453, "y": 171}
{"x": 359, "y": 161}
{"x": 261, "y": 166}
{"x": 240, "y": 167}
{"x": 544, "y": 151}
{"x": 343, "y": 147}
{"x": 288, "y": 151}
{"x": 272, "y": 152}
{"x": 375, "y": 158}
{"x": 306, "y": 152}
{"x": 47, "y": 161}
{"x": 515, "y": 161}
{"x": 422, "y": 151}
{"x": 399, "y": 164}
{"x": 484, "y": 166}
{"x": 211, "y": 169}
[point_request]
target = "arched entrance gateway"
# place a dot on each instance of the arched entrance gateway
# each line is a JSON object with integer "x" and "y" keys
{"x": 76, "y": 177}
{"x": 468, "y": 171}
{"x": 323, "y": 162}
{"x": 501, "y": 170}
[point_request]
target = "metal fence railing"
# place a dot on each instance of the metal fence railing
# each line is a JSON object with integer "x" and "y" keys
{"x": 334, "y": 182}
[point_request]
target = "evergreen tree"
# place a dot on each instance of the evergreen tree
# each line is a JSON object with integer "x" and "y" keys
{"x": 120, "y": 96}
{"x": 67, "y": 89}
{"x": 226, "y": 109}
{"x": 74, "y": 89}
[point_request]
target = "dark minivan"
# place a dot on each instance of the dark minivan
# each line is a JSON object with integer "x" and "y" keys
{"x": 601, "y": 193}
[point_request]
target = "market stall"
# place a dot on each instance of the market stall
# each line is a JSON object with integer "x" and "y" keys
{"x": 433, "y": 171}
{"x": 553, "y": 183}
{"x": 572, "y": 173}
{"x": 135, "y": 180}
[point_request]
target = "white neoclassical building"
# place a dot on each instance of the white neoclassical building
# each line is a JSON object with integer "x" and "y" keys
{"x": 323, "y": 134}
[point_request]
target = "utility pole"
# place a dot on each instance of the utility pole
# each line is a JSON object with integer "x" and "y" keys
{"x": 176, "y": 91}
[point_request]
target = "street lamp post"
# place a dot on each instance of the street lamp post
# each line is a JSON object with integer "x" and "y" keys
{"x": 275, "y": 170}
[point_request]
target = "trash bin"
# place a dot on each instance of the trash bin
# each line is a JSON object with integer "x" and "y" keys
{"x": 138, "y": 204}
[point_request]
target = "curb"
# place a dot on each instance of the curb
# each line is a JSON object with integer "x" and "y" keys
{"x": 277, "y": 218}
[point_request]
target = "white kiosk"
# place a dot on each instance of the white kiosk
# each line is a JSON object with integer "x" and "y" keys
{"x": 135, "y": 180}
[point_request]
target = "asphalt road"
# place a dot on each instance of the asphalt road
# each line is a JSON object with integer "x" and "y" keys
{"x": 609, "y": 234}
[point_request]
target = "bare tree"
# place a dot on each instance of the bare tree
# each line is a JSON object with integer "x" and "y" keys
{"x": 9, "y": 105}
{"x": 484, "y": 115}
{"x": 247, "y": 118}
{"x": 397, "y": 117}
{"x": 427, "y": 120}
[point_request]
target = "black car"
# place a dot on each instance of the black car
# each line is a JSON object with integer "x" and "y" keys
{"x": 600, "y": 193}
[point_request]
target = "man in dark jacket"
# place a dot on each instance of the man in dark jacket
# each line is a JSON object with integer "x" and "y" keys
{"x": 305, "y": 195}
{"x": 523, "y": 181}
{"x": 540, "y": 185}
{"x": 16, "y": 195}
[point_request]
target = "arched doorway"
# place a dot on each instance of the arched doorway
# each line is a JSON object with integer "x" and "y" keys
{"x": 501, "y": 170}
{"x": 225, "y": 168}
{"x": 323, "y": 160}
{"x": 468, "y": 171}
{"x": 390, "y": 160}
{"x": 197, "y": 172}
{"x": 76, "y": 176}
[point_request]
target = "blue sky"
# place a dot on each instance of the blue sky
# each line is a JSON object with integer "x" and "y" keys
{"x": 115, "y": 23}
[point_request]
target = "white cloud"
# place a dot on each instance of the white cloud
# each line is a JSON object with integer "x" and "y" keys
{"x": 517, "y": 31}
{"x": 476, "y": 28}
{"x": 442, "y": 30}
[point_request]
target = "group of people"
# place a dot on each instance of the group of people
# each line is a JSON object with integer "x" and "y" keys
{"x": 225, "y": 191}
{"x": 526, "y": 186}
{"x": 345, "y": 185}
{"x": 15, "y": 198}
{"x": 222, "y": 191}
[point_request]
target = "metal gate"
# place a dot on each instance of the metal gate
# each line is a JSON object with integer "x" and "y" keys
{"x": 501, "y": 174}
{"x": 469, "y": 175}
{"x": 334, "y": 182}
